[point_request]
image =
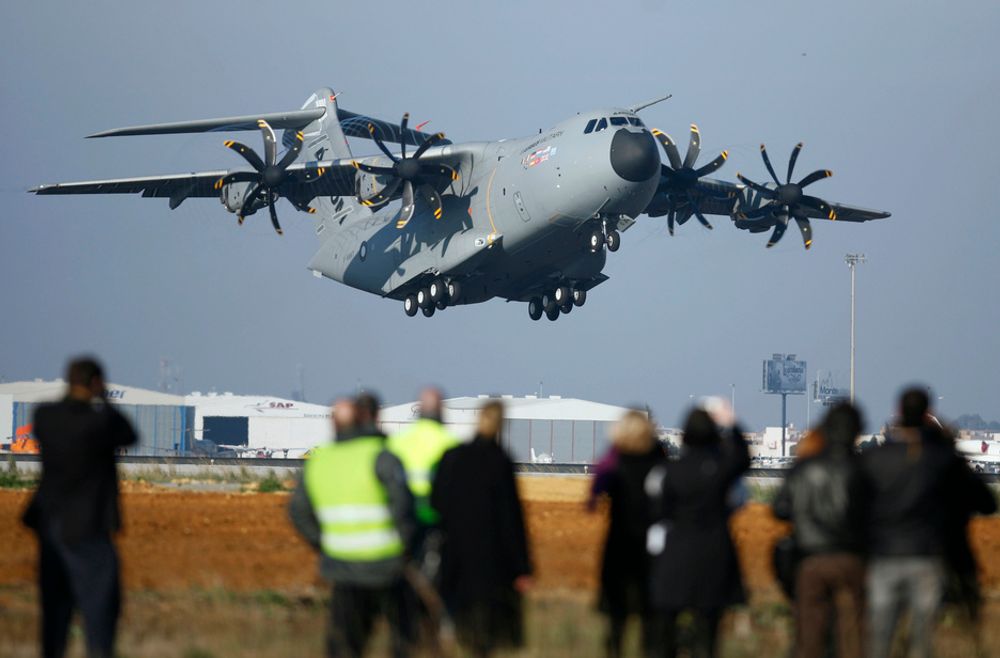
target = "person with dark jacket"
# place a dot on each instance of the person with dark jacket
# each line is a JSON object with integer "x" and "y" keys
{"x": 824, "y": 496}
{"x": 75, "y": 511}
{"x": 485, "y": 565}
{"x": 915, "y": 477}
{"x": 353, "y": 505}
{"x": 621, "y": 475}
{"x": 694, "y": 561}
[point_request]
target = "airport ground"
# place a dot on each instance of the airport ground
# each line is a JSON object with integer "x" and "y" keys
{"x": 221, "y": 573}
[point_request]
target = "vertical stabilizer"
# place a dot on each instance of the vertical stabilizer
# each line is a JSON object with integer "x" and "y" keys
{"x": 324, "y": 138}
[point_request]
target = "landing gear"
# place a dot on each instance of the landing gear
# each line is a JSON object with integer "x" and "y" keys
{"x": 552, "y": 313}
{"x": 424, "y": 298}
{"x": 454, "y": 291}
{"x": 614, "y": 240}
{"x": 561, "y": 295}
{"x": 566, "y": 308}
{"x": 428, "y": 311}
{"x": 579, "y": 297}
{"x": 535, "y": 308}
{"x": 437, "y": 290}
{"x": 410, "y": 305}
{"x": 441, "y": 305}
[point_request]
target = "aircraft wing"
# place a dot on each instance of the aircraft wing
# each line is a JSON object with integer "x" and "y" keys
{"x": 305, "y": 181}
{"x": 846, "y": 213}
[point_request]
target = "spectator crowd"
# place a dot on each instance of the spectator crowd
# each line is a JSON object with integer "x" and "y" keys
{"x": 428, "y": 534}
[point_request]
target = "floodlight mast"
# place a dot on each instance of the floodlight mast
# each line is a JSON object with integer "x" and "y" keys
{"x": 852, "y": 261}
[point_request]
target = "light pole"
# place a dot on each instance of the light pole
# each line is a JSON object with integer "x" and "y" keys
{"x": 852, "y": 261}
{"x": 732, "y": 398}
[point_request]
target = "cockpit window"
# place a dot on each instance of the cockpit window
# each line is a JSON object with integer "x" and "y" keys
{"x": 636, "y": 121}
{"x": 601, "y": 125}
{"x": 590, "y": 126}
{"x": 619, "y": 121}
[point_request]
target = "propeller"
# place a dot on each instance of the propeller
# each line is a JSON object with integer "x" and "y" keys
{"x": 787, "y": 199}
{"x": 681, "y": 185}
{"x": 409, "y": 173}
{"x": 268, "y": 175}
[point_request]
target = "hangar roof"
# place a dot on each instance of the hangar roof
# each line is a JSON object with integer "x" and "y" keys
{"x": 516, "y": 408}
{"x": 40, "y": 390}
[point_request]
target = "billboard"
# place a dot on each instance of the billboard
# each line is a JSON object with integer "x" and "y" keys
{"x": 783, "y": 373}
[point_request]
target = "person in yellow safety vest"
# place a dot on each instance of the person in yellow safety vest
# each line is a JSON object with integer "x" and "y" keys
{"x": 420, "y": 448}
{"x": 352, "y": 504}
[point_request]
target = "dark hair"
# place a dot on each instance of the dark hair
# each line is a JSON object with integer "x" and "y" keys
{"x": 700, "y": 429}
{"x": 842, "y": 425}
{"x": 82, "y": 371}
{"x": 368, "y": 405}
{"x": 913, "y": 406}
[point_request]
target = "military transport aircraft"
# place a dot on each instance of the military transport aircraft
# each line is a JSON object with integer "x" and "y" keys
{"x": 528, "y": 219}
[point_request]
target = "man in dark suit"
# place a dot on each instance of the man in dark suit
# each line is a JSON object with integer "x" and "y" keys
{"x": 75, "y": 511}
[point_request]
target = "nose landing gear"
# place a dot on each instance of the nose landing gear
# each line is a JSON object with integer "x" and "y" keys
{"x": 605, "y": 236}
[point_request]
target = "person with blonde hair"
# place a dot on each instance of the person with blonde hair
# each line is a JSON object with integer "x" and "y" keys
{"x": 485, "y": 563}
{"x": 619, "y": 476}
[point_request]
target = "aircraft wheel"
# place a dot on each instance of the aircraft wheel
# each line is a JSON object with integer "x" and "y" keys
{"x": 410, "y": 306}
{"x": 454, "y": 291}
{"x": 614, "y": 240}
{"x": 579, "y": 297}
{"x": 428, "y": 311}
{"x": 424, "y": 298}
{"x": 441, "y": 305}
{"x": 552, "y": 313}
{"x": 535, "y": 308}
{"x": 548, "y": 303}
{"x": 561, "y": 295}
{"x": 596, "y": 241}
{"x": 437, "y": 290}
{"x": 566, "y": 308}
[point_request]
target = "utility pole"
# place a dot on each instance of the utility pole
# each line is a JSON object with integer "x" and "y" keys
{"x": 852, "y": 261}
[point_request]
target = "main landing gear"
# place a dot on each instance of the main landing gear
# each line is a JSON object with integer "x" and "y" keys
{"x": 435, "y": 296}
{"x": 558, "y": 302}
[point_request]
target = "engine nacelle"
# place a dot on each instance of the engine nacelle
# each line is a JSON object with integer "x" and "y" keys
{"x": 233, "y": 197}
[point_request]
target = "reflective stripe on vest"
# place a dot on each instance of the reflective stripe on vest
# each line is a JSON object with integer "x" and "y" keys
{"x": 350, "y": 502}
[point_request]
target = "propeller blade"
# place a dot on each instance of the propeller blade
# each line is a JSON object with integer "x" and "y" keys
{"x": 292, "y": 153}
{"x": 791, "y": 161}
{"x": 779, "y": 229}
{"x": 274, "y": 217}
{"x": 670, "y": 220}
{"x": 697, "y": 211}
{"x": 819, "y": 174}
{"x": 302, "y": 207}
{"x": 683, "y": 216}
{"x": 402, "y": 133}
{"x": 429, "y": 142}
{"x": 818, "y": 205}
{"x": 270, "y": 143}
{"x": 767, "y": 163}
{"x": 442, "y": 171}
{"x": 249, "y": 200}
{"x": 248, "y": 154}
{"x": 763, "y": 191}
{"x": 406, "y": 211}
{"x": 237, "y": 177}
{"x": 432, "y": 198}
{"x": 806, "y": 230}
{"x": 380, "y": 144}
{"x": 384, "y": 195}
{"x": 755, "y": 213}
{"x": 669, "y": 147}
{"x": 378, "y": 171}
{"x": 694, "y": 147}
{"x": 714, "y": 165}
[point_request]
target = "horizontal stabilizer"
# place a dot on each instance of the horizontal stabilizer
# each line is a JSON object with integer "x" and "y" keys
{"x": 294, "y": 120}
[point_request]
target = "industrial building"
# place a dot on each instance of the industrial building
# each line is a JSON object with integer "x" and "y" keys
{"x": 536, "y": 429}
{"x": 172, "y": 425}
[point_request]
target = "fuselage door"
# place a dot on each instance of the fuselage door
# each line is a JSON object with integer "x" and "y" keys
{"x": 521, "y": 209}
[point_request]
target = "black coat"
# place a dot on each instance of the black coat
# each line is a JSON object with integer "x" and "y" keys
{"x": 485, "y": 542}
{"x": 698, "y": 567}
{"x": 625, "y": 564}
{"x": 77, "y": 497}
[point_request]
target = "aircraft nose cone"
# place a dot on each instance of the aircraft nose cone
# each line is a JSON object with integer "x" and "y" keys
{"x": 634, "y": 156}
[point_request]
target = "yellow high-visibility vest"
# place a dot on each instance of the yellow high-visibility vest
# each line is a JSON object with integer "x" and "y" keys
{"x": 350, "y": 502}
{"x": 420, "y": 448}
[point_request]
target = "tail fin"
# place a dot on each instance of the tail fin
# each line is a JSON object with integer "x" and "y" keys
{"x": 324, "y": 138}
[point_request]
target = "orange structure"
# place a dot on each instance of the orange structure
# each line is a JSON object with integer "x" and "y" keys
{"x": 24, "y": 442}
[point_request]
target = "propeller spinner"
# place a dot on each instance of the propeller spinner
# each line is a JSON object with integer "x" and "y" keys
{"x": 788, "y": 200}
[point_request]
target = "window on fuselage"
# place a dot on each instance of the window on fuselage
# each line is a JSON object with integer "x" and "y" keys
{"x": 619, "y": 121}
{"x": 590, "y": 126}
{"x": 637, "y": 122}
{"x": 601, "y": 125}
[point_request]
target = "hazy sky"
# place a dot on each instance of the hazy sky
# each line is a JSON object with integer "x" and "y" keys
{"x": 900, "y": 102}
